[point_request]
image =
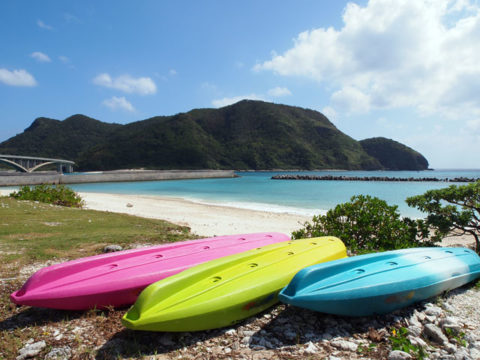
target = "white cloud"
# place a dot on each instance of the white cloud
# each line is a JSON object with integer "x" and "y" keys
{"x": 17, "y": 78}
{"x": 126, "y": 83}
{"x": 119, "y": 103}
{"x": 330, "y": 113}
{"x": 172, "y": 72}
{"x": 473, "y": 125}
{"x": 279, "y": 91}
{"x": 459, "y": 149}
{"x": 40, "y": 57}
{"x": 232, "y": 100}
{"x": 42, "y": 25}
{"x": 423, "y": 54}
{"x": 64, "y": 59}
{"x": 351, "y": 100}
{"x": 69, "y": 18}
{"x": 208, "y": 86}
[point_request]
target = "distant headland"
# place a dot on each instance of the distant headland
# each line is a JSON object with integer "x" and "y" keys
{"x": 248, "y": 135}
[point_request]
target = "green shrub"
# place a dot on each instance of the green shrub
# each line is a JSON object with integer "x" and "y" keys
{"x": 57, "y": 195}
{"x": 367, "y": 224}
{"x": 455, "y": 208}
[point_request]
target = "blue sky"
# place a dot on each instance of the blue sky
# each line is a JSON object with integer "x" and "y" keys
{"x": 407, "y": 70}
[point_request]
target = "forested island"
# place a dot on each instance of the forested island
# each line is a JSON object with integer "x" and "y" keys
{"x": 248, "y": 135}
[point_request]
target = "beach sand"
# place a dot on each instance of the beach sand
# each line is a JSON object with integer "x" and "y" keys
{"x": 203, "y": 219}
{"x": 210, "y": 220}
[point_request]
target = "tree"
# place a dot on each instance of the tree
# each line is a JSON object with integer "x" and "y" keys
{"x": 367, "y": 224}
{"x": 455, "y": 208}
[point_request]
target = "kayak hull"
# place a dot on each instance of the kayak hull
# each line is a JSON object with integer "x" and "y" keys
{"x": 116, "y": 279}
{"x": 383, "y": 282}
{"x": 225, "y": 291}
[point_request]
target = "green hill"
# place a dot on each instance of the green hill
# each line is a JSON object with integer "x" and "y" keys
{"x": 58, "y": 139}
{"x": 247, "y": 135}
{"x": 394, "y": 155}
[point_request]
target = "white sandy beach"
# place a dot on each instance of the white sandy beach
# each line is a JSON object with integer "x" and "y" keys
{"x": 208, "y": 220}
{"x": 203, "y": 219}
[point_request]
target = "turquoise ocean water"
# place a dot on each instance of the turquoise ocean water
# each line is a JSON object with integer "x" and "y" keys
{"x": 255, "y": 190}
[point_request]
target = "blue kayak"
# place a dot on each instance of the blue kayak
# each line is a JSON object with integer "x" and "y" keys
{"x": 382, "y": 282}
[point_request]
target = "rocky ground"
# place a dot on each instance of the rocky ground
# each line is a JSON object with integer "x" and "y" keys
{"x": 447, "y": 327}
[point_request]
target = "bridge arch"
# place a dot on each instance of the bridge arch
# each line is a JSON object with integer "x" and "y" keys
{"x": 29, "y": 164}
{"x": 14, "y": 165}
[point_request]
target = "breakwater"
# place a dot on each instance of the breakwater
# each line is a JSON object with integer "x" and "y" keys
{"x": 371, "y": 178}
{"x": 18, "y": 179}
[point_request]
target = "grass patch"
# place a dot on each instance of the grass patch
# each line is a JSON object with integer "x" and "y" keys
{"x": 33, "y": 231}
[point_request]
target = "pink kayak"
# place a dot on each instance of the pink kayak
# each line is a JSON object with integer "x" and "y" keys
{"x": 116, "y": 279}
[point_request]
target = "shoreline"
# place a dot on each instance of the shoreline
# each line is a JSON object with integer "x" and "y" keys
{"x": 208, "y": 220}
{"x": 202, "y": 219}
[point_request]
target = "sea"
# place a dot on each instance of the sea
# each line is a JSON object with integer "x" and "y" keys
{"x": 257, "y": 191}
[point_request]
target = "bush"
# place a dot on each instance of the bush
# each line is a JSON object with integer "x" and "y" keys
{"x": 57, "y": 195}
{"x": 455, "y": 208}
{"x": 367, "y": 224}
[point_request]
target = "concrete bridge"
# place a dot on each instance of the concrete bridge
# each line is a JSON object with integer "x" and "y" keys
{"x": 29, "y": 164}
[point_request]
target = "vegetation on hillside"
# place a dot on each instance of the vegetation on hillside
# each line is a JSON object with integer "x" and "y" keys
{"x": 246, "y": 135}
{"x": 394, "y": 155}
{"x": 58, "y": 139}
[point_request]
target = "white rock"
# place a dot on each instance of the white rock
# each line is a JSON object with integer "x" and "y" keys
{"x": 451, "y": 348}
{"x": 474, "y": 353}
{"x": 420, "y": 316}
{"x": 112, "y": 248}
{"x": 452, "y": 323}
{"x": 31, "y": 350}
{"x": 413, "y": 321}
{"x": 60, "y": 353}
{"x": 462, "y": 354}
{"x": 448, "y": 307}
{"x": 230, "y": 332}
{"x": 417, "y": 341}
{"x": 344, "y": 345}
{"x": 415, "y": 330}
{"x": 311, "y": 348}
{"x": 471, "y": 338}
{"x": 434, "y": 333}
{"x": 398, "y": 355}
{"x": 433, "y": 310}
